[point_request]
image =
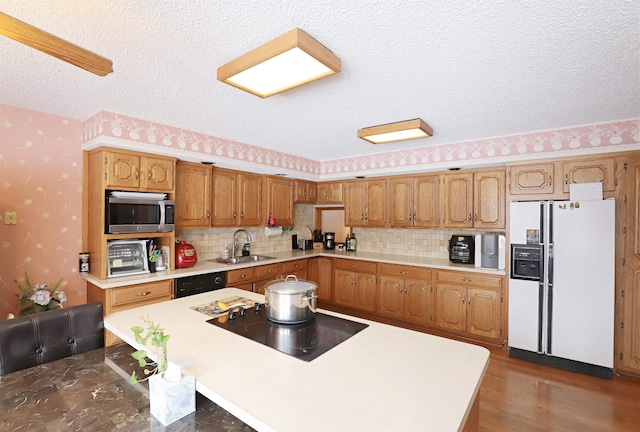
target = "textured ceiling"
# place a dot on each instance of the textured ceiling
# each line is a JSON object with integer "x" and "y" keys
{"x": 471, "y": 69}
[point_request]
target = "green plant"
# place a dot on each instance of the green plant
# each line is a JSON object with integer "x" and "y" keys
{"x": 39, "y": 297}
{"x": 156, "y": 335}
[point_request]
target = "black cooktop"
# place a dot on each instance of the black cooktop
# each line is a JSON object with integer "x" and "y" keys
{"x": 305, "y": 341}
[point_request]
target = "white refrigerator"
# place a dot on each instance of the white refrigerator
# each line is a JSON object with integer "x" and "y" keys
{"x": 566, "y": 318}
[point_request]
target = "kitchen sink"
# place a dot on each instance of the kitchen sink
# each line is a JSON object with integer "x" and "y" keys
{"x": 243, "y": 259}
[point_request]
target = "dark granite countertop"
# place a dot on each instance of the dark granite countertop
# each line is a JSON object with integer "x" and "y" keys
{"x": 91, "y": 392}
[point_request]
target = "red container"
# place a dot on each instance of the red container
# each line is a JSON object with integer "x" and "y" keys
{"x": 185, "y": 255}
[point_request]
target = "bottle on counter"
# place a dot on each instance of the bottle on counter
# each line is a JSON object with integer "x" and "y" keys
{"x": 352, "y": 243}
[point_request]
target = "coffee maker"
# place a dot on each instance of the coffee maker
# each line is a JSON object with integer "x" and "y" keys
{"x": 330, "y": 240}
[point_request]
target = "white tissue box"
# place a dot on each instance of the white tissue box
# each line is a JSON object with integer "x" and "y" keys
{"x": 170, "y": 401}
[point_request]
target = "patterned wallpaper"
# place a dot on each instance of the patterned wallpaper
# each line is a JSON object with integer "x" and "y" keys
{"x": 41, "y": 179}
{"x": 577, "y": 140}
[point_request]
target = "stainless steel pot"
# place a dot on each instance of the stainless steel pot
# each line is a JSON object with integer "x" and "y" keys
{"x": 290, "y": 301}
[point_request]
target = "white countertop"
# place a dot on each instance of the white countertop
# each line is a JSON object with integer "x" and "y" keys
{"x": 384, "y": 378}
{"x": 204, "y": 266}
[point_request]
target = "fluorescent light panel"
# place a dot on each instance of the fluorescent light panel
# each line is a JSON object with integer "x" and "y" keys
{"x": 404, "y": 130}
{"x": 288, "y": 61}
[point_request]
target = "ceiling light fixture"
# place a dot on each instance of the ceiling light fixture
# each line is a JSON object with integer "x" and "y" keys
{"x": 53, "y": 45}
{"x": 288, "y": 61}
{"x": 404, "y": 130}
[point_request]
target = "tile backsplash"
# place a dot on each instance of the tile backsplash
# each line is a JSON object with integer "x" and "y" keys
{"x": 411, "y": 242}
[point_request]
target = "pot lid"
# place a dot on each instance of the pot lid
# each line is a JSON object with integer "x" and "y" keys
{"x": 290, "y": 285}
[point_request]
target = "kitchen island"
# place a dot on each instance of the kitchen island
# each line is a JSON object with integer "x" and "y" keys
{"x": 383, "y": 378}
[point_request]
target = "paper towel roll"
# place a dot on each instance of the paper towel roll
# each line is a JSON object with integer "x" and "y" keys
{"x": 273, "y": 231}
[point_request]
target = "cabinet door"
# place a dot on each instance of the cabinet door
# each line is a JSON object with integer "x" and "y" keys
{"x": 344, "y": 291}
{"x": 417, "y": 301}
{"x": 483, "y": 313}
{"x": 401, "y": 202}
{"x": 193, "y": 195}
{"x": 123, "y": 170}
{"x": 531, "y": 179}
{"x": 354, "y": 205}
{"x": 426, "y": 210}
{"x": 587, "y": 171}
{"x": 450, "y": 307}
{"x": 391, "y": 296}
{"x": 223, "y": 211}
{"x": 489, "y": 199}
{"x": 365, "y": 291}
{"x": 458, "y": 204}
{"x": 312, "y": 191}
{"x": 249, "y": 199}
{"x": 375, "y": 212}
{"x": 156, "y": 173}
{"x": 281, "y": 201}
{"x": 320, "y": 273}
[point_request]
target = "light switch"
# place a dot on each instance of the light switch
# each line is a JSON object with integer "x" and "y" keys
{"x": 10, "y": 217}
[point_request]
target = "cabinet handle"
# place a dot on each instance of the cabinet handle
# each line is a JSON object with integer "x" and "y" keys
{"x": 467, "y": 280}
{"x": 550, "y": 180}
{"x": 475, "y": 217}
{"x": 354, "y": 265}
{"x": 137, "y": 174}
{"x": 269, "y": 271}
{"x": 566, "y": 179}
{"x": 149, "y": 175}
{"x": 470, "y": 216}
{"x": 208, "y": 214}
{"x": 400, "y": 290}
{"x": 296, "y": 265}
{"x": 242, "y": 215}
{"x": 462, "y": 299}
{"x": 235, "y": 214}
{"x": 243, "y": 276}
{"x": 405, "y": 290}
{"x": 142, "y": 294}
{"x": 403, "y": 272}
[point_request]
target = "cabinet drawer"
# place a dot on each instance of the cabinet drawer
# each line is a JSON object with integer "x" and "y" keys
{"x": 267, "y": 271}
{"x": 240, "y": 275}
{"x": 405, "y": 271}
{"x": 289, "y": 267}
{"x": 356, "y": 265}
{"x": 468, "y": 278}
{"x": 141, "y": 292}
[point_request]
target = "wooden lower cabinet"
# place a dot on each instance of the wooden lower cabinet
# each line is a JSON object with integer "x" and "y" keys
{"x": 297, "y": 268}
{"x": 470, "y": 303}
{"x": 127, "y": 297}
{"x": 355, "y": 284}
{"x": 253, "y": 279}
{"x": 405, "y": 293}
{"x": 320, "y": 273}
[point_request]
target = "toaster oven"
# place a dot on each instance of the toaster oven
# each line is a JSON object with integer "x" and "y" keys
{"x": 127, "y": 257}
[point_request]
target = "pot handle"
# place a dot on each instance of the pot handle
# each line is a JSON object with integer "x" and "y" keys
{"x": 309, "y": 298}
{"x": 294, "y": 280}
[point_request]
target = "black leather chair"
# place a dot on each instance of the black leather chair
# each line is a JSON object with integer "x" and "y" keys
{"x": 35, "y": 339}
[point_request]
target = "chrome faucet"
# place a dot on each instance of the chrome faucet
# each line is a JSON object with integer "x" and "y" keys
{"x": 234, "y": 245}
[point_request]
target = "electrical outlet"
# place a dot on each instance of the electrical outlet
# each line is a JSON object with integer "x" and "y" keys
{"x": 10, "y": 217}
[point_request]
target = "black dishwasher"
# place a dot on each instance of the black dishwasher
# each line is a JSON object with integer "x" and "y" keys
{"x": 199, "y": 284}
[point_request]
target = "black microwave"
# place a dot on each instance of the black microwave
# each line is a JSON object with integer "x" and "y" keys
{"x": 133, "y": 212}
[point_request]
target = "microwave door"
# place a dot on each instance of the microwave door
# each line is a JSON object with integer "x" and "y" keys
{"x": 127, "y": 216}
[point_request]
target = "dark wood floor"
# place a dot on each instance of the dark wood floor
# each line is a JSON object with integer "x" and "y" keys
{"x": 517, "y": 395}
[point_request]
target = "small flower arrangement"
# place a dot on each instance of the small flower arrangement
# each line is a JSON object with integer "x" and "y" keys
{"x": 155, "y": 333}
{"x": 39, "y": 297}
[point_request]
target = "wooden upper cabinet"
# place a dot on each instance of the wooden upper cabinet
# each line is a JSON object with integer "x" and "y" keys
{"x": 489, "y": 199}
{"x": 304, "y": 192}
{"x": 224, "y": 204}
{"x": 130, "y": 170}
{"x": 280, "y": 200}
{"x": 330, "y": 193}
{"x": 475, "y": 200}
{"x": 157, "y": 173}
{"x": 590, "y": 170}
{"x": 365, "y": 203}
{"x": 413, "y": 201}
{"x": 354, "y": 203}
{"x": 237, "y": 198}
{"x": 193, "y": 195}
{"x": 458, "y": 200}
{"x": 531, "y": 179}
{"x": 250, "y": 199}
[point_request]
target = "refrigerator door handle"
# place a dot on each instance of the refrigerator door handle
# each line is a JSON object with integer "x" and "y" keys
{"x": 549, "y": 299}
